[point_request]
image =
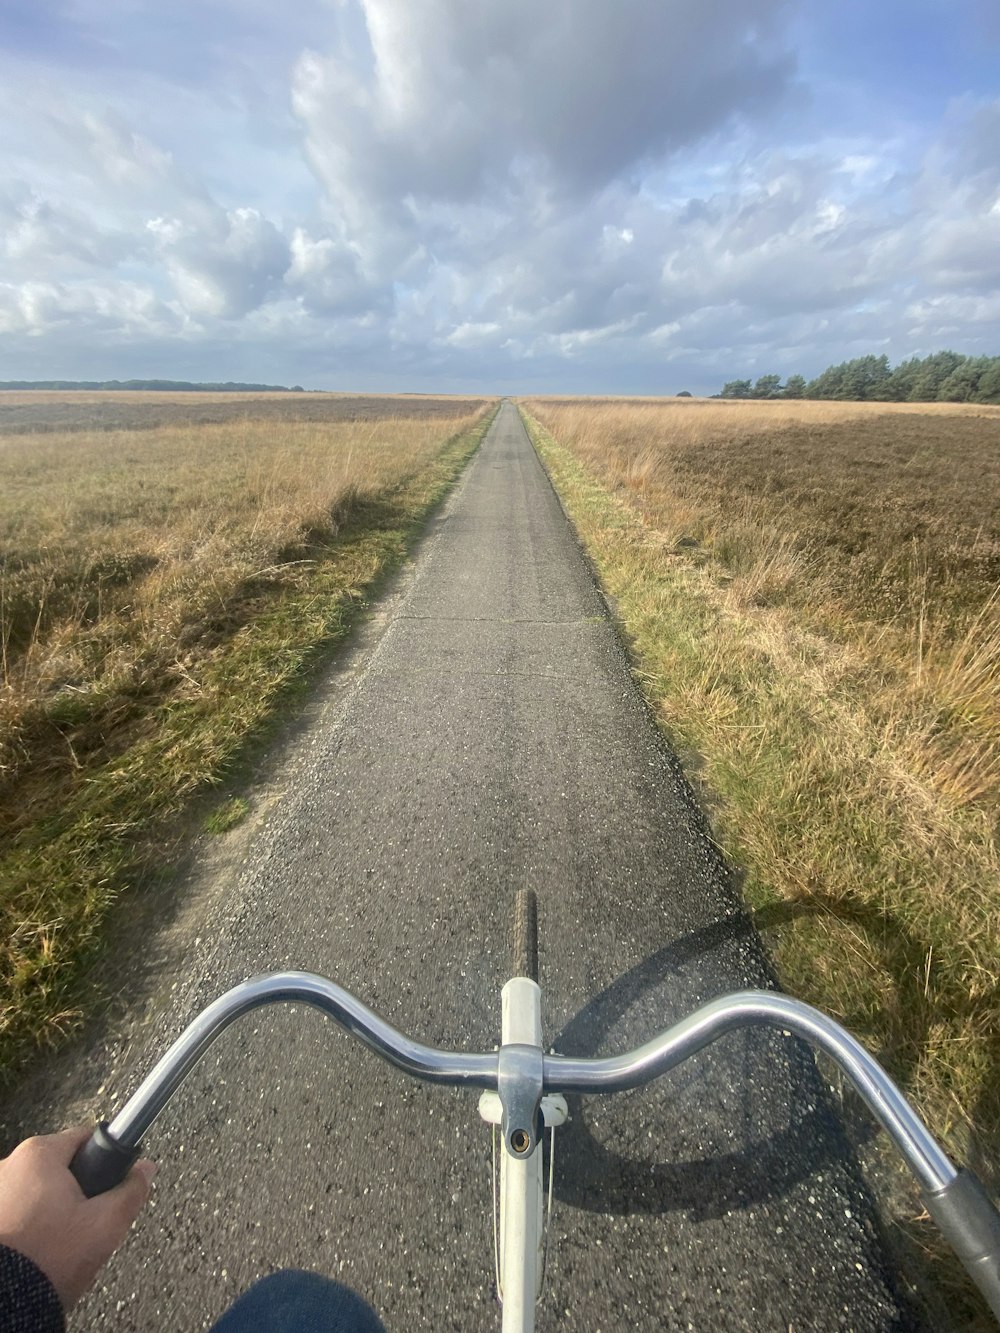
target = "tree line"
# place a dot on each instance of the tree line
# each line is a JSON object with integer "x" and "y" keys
{"x": 943, "y": 377}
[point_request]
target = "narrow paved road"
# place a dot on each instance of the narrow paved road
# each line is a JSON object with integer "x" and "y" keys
{"x": 493, "y": 738}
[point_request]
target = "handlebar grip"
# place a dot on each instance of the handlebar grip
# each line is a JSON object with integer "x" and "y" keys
{"x": 101, "y": 1163}
{"x": 969, "y": 1219}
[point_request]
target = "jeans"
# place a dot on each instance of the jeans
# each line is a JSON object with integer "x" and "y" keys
{"x": 297, "y": 1302}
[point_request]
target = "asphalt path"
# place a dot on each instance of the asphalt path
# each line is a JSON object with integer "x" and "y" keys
{"x": 486, "y": 734}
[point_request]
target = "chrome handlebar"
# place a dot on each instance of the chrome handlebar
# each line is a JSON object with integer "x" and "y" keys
{"x": 955, "y": 1199}
{"x": 756, "y": 1008}
{"x": 424, "y": 1062}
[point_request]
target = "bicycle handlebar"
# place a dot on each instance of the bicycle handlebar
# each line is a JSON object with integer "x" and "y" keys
{"x": 955, "y": 1199}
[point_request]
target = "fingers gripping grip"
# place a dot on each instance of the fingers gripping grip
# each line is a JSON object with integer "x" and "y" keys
{"x": 100, "y": 1164}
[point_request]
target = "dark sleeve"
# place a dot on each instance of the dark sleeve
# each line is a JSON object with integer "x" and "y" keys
{"x": 28, "y": 1300}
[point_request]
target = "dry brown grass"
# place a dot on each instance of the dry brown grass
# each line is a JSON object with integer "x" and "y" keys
{"x": 124, "y": 409}
{"x": 873, "y": 521}
{"x": 125, "y": 557}
{"x": 158, "y": 591}
{"x": 811, "y": 590}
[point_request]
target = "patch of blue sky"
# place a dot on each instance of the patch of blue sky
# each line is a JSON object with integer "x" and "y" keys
{"x": 217, "y": 45}
{"x": 912, "y": 57}
{"x": 44, "y": 31}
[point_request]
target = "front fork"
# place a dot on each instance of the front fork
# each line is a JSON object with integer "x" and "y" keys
{"x": 522, "y": 1231}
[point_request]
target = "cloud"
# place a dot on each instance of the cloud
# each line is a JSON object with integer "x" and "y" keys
{"x": 964, "y": 252}
{"x": 471, "y": 334}
{"x": 958, "y": 190}
{"x": 227, "y": 267}
{"x": 121, "y": 309}
{"x": 783, "y": 237}
{"x": 444, "y": 105}
{"x": 325, "y": 275}
{"x": 35, "y": 232}
{"x": 587, "y": 194}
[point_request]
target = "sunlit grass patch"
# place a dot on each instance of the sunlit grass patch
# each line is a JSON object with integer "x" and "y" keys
{"x": 227, "y": 815}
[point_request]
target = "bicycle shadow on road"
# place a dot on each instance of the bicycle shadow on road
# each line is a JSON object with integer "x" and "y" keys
{"x": 810, "y": 1134}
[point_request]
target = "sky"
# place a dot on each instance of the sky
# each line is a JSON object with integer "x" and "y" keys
{"x": 578, "y": 196}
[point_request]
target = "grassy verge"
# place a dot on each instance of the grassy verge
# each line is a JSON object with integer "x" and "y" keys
{"x": 172, "y": 671}
{"x": 869, "y": 852}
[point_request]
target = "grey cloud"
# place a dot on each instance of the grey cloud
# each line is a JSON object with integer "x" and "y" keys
{"x": 35, "y": 232}
{"x": 776, "y": 239}
{"x": 971, "y": 145}
{"x": 103, "y": 307}
{"x": 958, "y": 191}
{"x": 964, "y": 252}
{"x": 325, "y": 275}
{"x": 226, "y": 269}
{"x": 786, "y": 242}
{"x": 455, "y": 99}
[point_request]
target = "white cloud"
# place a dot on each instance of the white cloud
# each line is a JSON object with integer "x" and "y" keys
{"x": 424, "y": 189}
{"x": 226, "y": 268}
{"x": 325, "y": 274}
{"x": 106, "y": 307}
{"x": 36, "y": 232}
{"x": 471, "y": 334}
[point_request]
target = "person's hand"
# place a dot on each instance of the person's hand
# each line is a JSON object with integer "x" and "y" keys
{"x": 45, "y": 1214}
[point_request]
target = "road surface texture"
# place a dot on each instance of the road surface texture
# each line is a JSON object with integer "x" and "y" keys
{"x": 487, "y": 735}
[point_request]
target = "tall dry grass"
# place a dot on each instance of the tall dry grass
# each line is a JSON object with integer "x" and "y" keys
{"x": 124, "y": 557}
{"x": 159, "y": 590}
{"x": 878, "y": 523}
{"x": 811, "y": 590}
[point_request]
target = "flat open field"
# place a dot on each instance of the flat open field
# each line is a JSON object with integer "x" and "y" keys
{"x": 895, "y": 508}
{"x": 58, "y": 409}
{"x": 161, "y": 589}
{"x": 812, "y": 591}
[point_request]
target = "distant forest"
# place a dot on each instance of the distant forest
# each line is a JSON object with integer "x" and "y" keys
{"x": 175, "y": 386}
{"x": 945, "y": 377}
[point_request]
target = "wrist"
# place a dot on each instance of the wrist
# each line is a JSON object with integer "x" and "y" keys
{"x": 28, "y": 1297}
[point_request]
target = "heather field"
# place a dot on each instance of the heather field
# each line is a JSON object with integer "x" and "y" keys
{"x": 812, "y": 593}
{"x": 22, "y": 411}
{"x": 161, "y": 591}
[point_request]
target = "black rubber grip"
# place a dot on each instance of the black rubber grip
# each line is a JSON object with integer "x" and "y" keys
{"x": 968, "y": 1218}
{"x": 100, "y": 1164}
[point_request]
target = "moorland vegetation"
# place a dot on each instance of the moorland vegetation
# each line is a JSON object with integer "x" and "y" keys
{"x": 812, "y": 595}
{"x": 40, "y": 411}
{"x": 162, "y": 591}
{"x": 148, "y": 386}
